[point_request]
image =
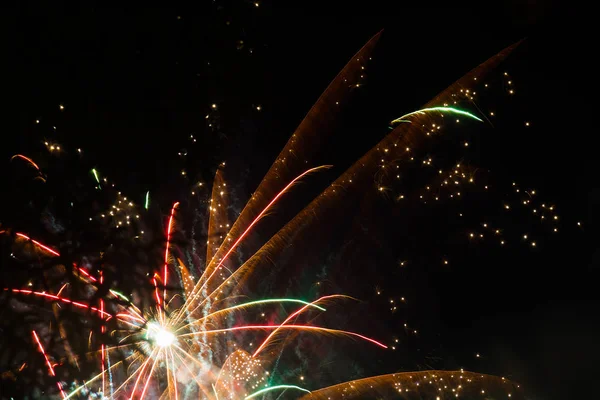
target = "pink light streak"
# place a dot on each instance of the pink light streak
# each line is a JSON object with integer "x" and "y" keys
{"x": 298, "y": 312}
{"x": 262, "y": 213}
{"x": 62, "y": 299}
{"x": 50, "y": 368}
{"x": 48, "y": 249}
{"x": 300, "y": 327}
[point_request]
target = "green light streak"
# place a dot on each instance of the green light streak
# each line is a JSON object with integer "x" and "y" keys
{"x": 122, "y": 296}
{"x": 449, "y": 110}
{"x": 147, "y": 200}
{"x": 268, "y": 389}
{"x": 306, "y": 303}
{"x": 95, "y": 174}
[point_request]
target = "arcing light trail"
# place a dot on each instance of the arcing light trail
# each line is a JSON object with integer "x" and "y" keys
{"x": 29, "y": 160}
{"x": 448, "y": 110}
{"x": 295, "y": 327}
{"x": 193, "y": 293}
{"x": 278, "y": 387}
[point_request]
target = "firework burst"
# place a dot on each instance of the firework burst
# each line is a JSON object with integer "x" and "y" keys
{"x": 192, "y": 339}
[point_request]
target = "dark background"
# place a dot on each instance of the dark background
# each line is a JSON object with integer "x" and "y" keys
{"x": 137, "y": 81}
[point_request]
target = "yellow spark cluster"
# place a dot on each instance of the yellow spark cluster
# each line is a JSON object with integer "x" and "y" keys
{"x": 423, "y": 384}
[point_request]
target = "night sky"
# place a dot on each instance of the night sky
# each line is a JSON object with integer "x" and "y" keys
{"x": 136, "y": 83}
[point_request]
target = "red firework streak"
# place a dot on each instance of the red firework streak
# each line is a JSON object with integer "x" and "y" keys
{"x": 103, "y": 330}
{"x": 50, "y": 368}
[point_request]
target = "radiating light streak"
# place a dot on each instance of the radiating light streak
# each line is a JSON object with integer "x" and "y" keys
{"x": 298, "y": 312}
{"x": 61, "y": 289}
{"x": 131, "y": 376}
{"x": 29, "y": 160}
{"x": 252, "y": 303}
{"x": 192, "y": 374}
{"x": 143, "y": 368}
{"x": 102, "y": 346}
{"x": 278, "y": 387}
{"x": 87, "y": 274}
{"x": 156, "y": 295}
{"x": 237, "y": 242}
{"x": 37, "y": 339}
{"x": 48, "y": 249}
{"x": 450, "y": 110}
{"x": 150, "y": 374}
{"x": 57, "y": 298}
{"x": 75, "y": 391}
{"x": 121, "y": 295}
{"x": 169, "y": 227}
{"x": 169, "y": 384}
{"x": 147, "y": 203}
{"x": 83, "y": 271}
{"x": 174, "y": 373}
{"x": 95, "y": 174}
{"x": 133, "y": 317}
{"x": 296, "y": 327}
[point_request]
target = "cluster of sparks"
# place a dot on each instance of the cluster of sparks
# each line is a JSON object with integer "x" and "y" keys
{"x": 169, "y": 345}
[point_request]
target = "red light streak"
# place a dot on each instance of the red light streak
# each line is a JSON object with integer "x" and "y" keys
{"x": 50, "y": 368}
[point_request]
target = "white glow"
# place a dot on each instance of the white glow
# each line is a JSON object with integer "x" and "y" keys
{"x": 160, "y": 336}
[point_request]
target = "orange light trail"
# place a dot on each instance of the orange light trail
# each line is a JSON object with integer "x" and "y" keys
{"x": 174, "y": 375}
{"x": 29, "y": 160}
{"x": 150, "y": 374}
{"x": 298, "y": 312}
{"x": 143, "y": 368}
{"x": 121, "y": 315}
{"x": 298, "y": 327}
{"x": 50, "y": 368}
{"x": 165, "y": 276}
{"x": 243, "y": 235}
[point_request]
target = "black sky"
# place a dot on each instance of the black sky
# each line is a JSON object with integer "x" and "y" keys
{"x": 137, "y": 81}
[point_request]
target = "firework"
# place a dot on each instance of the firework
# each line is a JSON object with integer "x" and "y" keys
{"x": 190, "y": 341}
